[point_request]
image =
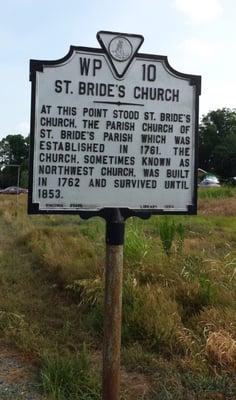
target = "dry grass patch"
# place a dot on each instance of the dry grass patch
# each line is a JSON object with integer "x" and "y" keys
{"x": 226, "y": 207}
{"x": 194, "y": 245}
{"x": 213, "y": 319}
{"x": 134, "y": 386}
{"x": 220, "y": 349}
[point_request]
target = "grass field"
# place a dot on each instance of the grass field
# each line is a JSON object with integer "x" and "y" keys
{"x": 179, "y": 300}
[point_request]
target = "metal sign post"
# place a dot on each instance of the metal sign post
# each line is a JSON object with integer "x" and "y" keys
{"x": 113, "y": 134}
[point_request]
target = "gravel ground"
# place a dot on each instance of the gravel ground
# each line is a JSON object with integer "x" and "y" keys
{"x": 17, "y": 378}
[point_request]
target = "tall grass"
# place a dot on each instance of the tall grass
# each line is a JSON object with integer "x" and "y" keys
{"x": 217, "y": 193}
{"x": 69, "y": 378}
{"x": 168, "y": 230}
{"x": 137, "y": 246}
{"x": 178, "y": 311}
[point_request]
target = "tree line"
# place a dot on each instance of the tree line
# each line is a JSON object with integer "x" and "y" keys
{"x": 216, "y": 149}
{"x": 217, "y": 142}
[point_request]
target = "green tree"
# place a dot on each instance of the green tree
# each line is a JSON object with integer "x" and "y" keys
{"x": 225, "y": 156}
{"x": 14, "y": 150}
{"x": 217, "y": 135}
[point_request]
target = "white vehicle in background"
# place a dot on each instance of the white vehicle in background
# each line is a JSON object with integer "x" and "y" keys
{"x": 210, "y": 181}
{"x": 13, "y": 190}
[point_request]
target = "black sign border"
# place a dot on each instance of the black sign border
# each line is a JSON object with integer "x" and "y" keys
{"x": 37, "y": 66}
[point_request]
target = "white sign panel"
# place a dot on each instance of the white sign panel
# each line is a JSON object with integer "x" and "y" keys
{"x": 113, "y": 128}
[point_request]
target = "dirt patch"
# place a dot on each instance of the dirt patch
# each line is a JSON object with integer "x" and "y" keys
{"x": 136, "y": 385}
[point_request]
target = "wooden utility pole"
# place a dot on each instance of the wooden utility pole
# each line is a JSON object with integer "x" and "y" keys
{"x": 113, "y": 305}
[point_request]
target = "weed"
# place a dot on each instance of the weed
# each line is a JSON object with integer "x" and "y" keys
{"x": 167, "y": 231}
{"x": 180, "y": 231}
{"x": 67, "y": 378}
{"x": 192, "y": 266}
{"x": 207, "y": 291}
{"x": 137, "y": 246}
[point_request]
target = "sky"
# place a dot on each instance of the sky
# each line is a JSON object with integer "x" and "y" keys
{"x": 197, "y": 36}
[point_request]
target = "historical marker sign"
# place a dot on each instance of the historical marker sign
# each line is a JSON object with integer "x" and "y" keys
{"x": 113, "y": 128}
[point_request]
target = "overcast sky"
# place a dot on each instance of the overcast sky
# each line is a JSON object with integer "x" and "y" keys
{"x": 198, "y": 36}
